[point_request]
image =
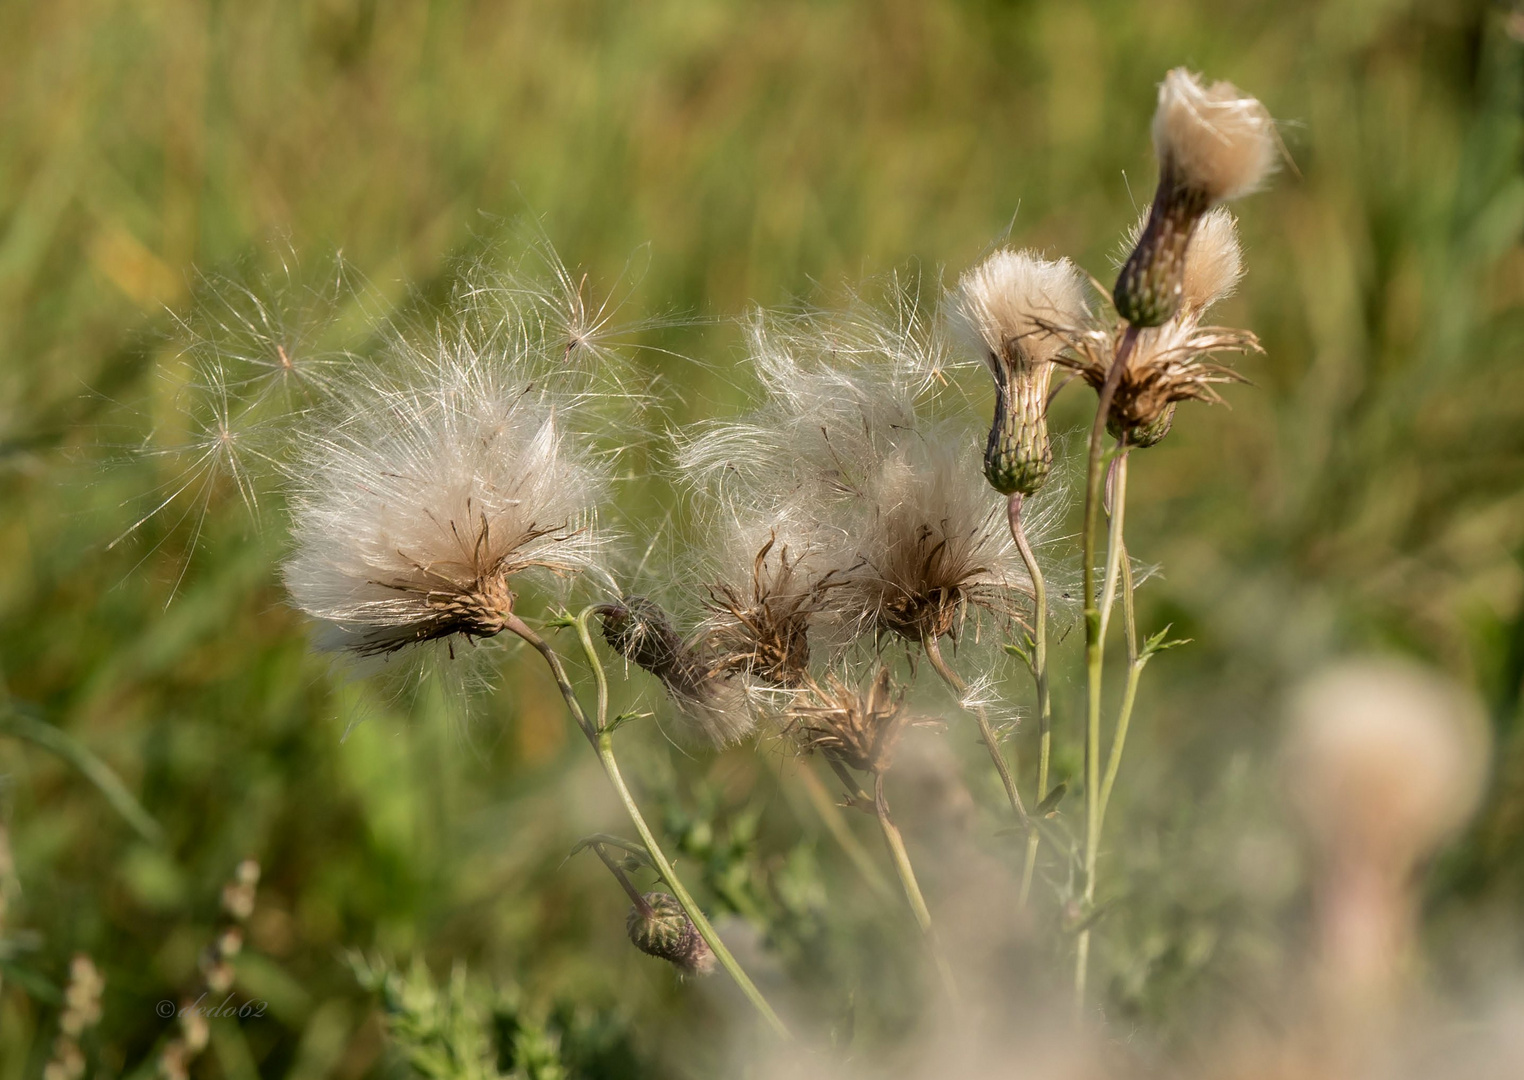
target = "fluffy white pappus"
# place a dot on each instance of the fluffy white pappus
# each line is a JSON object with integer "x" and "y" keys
{"x": 836, "y": 398}
{"x": 1214, "y": 262}
{"x": 414, "y": 518}
{"x": 1213, "y": 139}
{"x": 1008, "y": 303}
{"x": 926, "y": 544}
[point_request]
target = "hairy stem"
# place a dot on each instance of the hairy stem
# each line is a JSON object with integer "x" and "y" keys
{"x": 1094, "y": 645}
{"x": 901, "y": 859}
{"x": 602, "y": 741}
{"x": 1039, "y": 676}
{"x": 986, "y": 732}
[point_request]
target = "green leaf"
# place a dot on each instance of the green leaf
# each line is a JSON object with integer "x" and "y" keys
{"x": 1054, "y": 797}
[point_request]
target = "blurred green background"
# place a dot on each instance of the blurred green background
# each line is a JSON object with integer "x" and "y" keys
{"x": 1366, "y": 491}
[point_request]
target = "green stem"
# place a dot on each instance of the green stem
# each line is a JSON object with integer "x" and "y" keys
{"x": 986, "y": 732}
{"x": 602, "y": 741}
{"x": 1040, "y": 677}
{"x": 836, "y": 824}
{"x": 901, "y": 859}
{"x": 1135, "y": 663}
{"x": 1094, "y": 646}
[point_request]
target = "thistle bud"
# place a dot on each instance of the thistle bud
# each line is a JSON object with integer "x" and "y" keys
{"x": 664, "y": 930}
{"x": 1213, "y": 144}
{"x": 1016, "y": 306}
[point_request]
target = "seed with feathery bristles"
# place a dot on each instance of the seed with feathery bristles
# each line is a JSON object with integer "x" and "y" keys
{"x": 859, "y": 729}
{"x": 1213, "y": 143}
{"x": 663, "y": 929}
{"x": 1008, "y": 304}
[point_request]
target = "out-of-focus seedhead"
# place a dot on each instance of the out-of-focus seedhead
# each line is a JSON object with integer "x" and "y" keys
{"x": 1384, "y": 761}
{"x": 1009, "y": 304}
{"x": 855, "y": 728}
{"x": 660, "y": 927}
{"x": 1214, "y": 143}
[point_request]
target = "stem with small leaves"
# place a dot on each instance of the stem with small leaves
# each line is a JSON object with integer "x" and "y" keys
{"x": 600, "y": 736}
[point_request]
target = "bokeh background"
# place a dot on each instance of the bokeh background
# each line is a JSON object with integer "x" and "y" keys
{"x": 1367, "y": 491}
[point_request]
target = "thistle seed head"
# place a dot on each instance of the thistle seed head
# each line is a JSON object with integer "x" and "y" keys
{"x": 929, "y": 546}
{"x": 1213, "y": 144}
{"x": 415, "y": 518}
{"x": 852, "y": 727}
{"x": 664, "y": 930}
{"x": 1009, "y": 303}
{"x": 763, "y": 633}
{"x": 1174, "y": 362}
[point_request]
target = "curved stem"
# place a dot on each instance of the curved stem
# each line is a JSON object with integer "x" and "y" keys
{"x": 986, "y": 733}
{"x": 1039, "y": 676}
{"x": 602, "y": 741}
{"x": 1094, "y": 645}
{"x": 835, "y": 822}
{"x": 901, "y": 859}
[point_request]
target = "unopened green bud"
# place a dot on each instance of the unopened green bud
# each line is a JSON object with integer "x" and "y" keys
{"x": 1018, "y": 454}
{"x": 664, "y": 930}
{"x": 1150, "y": 286}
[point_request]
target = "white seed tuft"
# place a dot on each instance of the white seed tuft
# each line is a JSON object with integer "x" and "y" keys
{"x": 1214, "y": 139}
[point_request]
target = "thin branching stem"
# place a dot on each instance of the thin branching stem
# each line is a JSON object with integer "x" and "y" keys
{"x": 901, "y": 859}
{"x": 1094, "y": 643}
{"x": 1039, "y": 665}
{"x": 602, "y": 741}
{"x": 986, "y": 732}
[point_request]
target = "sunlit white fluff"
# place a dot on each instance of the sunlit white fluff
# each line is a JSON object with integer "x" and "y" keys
{"x": 416, "y": 516}
{"x": 1214, "y": 138}
{"x": 885, "y": 506}
{"x": 1009, "y": 302}
{"x": 1214, "y": 263}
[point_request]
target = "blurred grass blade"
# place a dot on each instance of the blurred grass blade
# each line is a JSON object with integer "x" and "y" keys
{"x": 14, "y": 721}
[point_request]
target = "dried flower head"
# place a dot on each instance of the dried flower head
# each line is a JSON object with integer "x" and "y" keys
{"x": 763, "y": 632}
{"x": 1214, "y": 143}
{"x": 1174, "y": 362}
{"x": 661, "y": 928}
{"x": 877, "y": 504}
{"x": 1009, "y": 304}
{"x": 851, "y": 727}
{"x": 415, "y": 518}
{"x": 928, "y": 545}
